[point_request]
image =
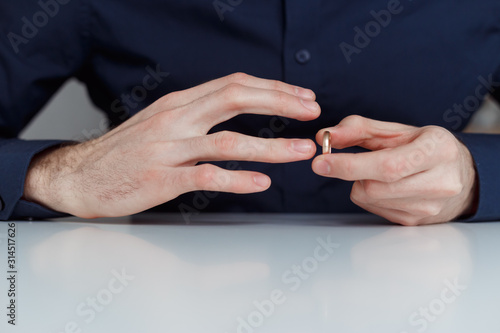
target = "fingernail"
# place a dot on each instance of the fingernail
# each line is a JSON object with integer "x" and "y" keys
{"x": 311, "y": 105}
{"x": 302, "y": 146}
{"x": 322, "y": 167}
{"x": 304, "y": 93}
{"x": 262, "y": 181}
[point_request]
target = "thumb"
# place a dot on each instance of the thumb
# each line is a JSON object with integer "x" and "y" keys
{"x": 368, "y": 133}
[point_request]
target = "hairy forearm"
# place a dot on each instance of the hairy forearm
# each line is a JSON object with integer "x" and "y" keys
{"x": 45, "y": 183}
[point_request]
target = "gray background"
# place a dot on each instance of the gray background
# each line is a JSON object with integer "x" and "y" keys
{"x": 71, "y": 116}
{"x": 68, "y": 116}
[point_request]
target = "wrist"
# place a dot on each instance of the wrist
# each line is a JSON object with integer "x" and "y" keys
{"x": 45, "y": 183}
{"x": 472, "y": 202}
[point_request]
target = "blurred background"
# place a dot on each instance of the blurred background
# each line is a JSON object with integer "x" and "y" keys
{"x": 82, "y": 121}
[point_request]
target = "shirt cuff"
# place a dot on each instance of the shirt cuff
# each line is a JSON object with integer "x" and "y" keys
{"x": 484, "y": 149}
{"x": 15, "y": 157}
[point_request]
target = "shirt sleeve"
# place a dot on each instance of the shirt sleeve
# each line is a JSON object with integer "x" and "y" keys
{"x": 33, "y": 66}
{"x": 485, "y": 149}
{"x": 16, "y": 156}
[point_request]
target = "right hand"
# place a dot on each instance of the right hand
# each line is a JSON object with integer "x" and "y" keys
{"x": 152, "y": 158}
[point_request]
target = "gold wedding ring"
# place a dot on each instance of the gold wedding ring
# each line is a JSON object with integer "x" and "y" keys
{"x": 327, "y": 144}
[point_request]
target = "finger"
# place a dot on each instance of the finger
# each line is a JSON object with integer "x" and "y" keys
{"x": 189, "y": 95}
{"x": 184, "y": 97}
{"x": 388, "y": 165}
{"x": 418, "y": 206}
{"x": 432, "y": 184}
{"x": 255, "y": 82}
{"x": 367, "y": 133}
{"x": 393, "y": 215}
{"x": 208, "y": 177}
{"x": 234, "y": 99}
{"x": 225, "y": 145}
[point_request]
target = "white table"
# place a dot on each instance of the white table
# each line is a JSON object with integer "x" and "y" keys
{"x": 251, "y": 273}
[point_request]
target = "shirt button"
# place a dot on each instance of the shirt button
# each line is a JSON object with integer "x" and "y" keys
{"x": 2, "y": 205}
{"x": 303, "y": 56}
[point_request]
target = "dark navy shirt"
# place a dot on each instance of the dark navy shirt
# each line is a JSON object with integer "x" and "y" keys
{"x": 416, "y": 62}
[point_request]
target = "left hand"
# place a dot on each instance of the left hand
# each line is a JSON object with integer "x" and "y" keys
{"x": 411, "y": 176}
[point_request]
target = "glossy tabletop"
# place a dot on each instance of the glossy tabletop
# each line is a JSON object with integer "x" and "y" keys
{"x": 248, "y": 273}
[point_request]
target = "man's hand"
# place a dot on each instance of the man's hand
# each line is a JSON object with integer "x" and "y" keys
{"x": 411, "y": 175}
{"x": 152, "y": 158}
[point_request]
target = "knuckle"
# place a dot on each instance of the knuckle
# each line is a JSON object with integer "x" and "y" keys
{"x": 439, "y": 140}
{"x": 353, "y": 120}
{"x": 250, "y": 149}
{"x": 275, "y": 85}
{"x": 358, "y": 195}
{"x": 418, "y": 157}
{"x": 428, "y": 209}
{"x": 156, "y": 123}
{"x": 225, "y": 142}
{"x": 239, "y": 78}
{"x": 273, "y": 148}
{"x": 167, "y": 101}
{"x": 280, "y": 102}
{"x": 393, "y": 170}
{"x": 437, "y": 133}
{"x": 432, "y": 209}
{"x": 409, "y": 221}
{"x": 453, "y": 189}
{"x": 161, "y": 148}
{"x": 231, "y": 95}
{"x": 205, "y": 176}
{"x": 451, "y": 151}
